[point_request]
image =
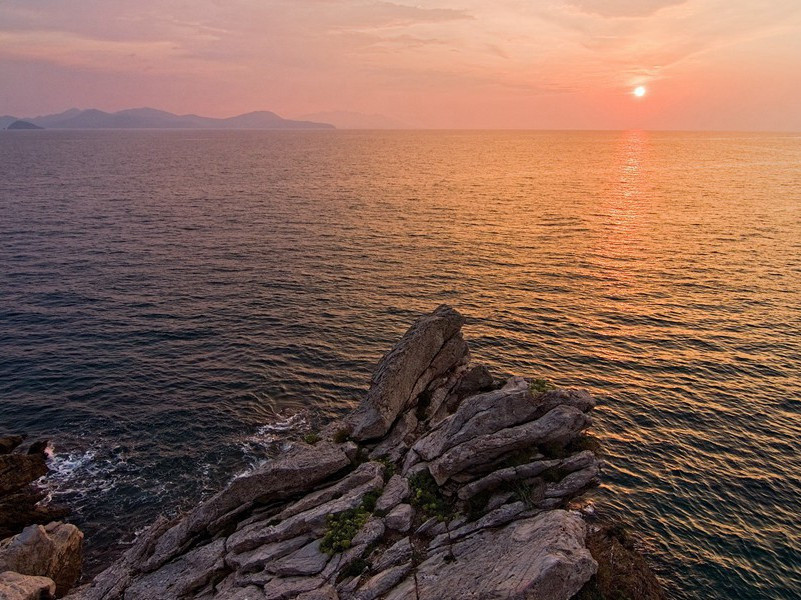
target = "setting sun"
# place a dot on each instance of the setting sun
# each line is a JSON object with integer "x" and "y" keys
{"x": 639, "y": 91}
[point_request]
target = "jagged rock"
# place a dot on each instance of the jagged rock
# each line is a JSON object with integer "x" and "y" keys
{"x": 308, "y": 522}
{"x": 501, "y": 476}
{"x": 290, "y": 474}
{"x": 558, "y": 426}
{"x": 327, "y": 592}
{"x": 18, "y": 470}
{"x": 54, "y": 551}
{"x": 9, "y": 443}
{"x": 400, "y": 518}
{"x": 496, "y": 518}
{"x": 383, "y": 582}
{"x": 178, "y": 579}
{"x": 540, "y": 557}
{"x": 399, "y": 552}
{"x": 14, "y": 586}
{"x": 573, "y": 483}
{"x": 255, "y": 560}
{"x": 308, "y": 560}
{"x": 427, "y": 350}
{"x": 396, "y": 491}
{"x": 292, "y": 587}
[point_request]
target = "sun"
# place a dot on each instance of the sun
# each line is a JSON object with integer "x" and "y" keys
{"x": 639, "y": 91}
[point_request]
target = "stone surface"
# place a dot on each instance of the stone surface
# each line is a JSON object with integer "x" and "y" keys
{"x": 558, "y": 426}
{"x": 14, "y": 586}
{"x": 395, "y": 492}
{"x": 407, "y": 367}
{"x": 400, "y": 518}
{"x": 290, "y": 474}
{"x": 9, "y": 442}
{"x": 54, "y": 551}
{"x": 541, "y": 557}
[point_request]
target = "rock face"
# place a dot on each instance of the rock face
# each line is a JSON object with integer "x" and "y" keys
{"x": 456, "y": 488}
{"x": 14, "y": 586}
{"x": 19, "y": 496}
{"x": 53, "y": 551}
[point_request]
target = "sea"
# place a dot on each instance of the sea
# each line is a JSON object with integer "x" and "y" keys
{"x": 177, "y": 307}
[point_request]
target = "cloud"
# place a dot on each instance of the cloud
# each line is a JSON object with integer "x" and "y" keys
{"x": 623, "y": 8}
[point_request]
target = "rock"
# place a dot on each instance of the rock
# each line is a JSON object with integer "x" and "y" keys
{"x": 479, "y": 415}
{"x": 54, "y": 551}
{"x": 426, "y": 351}
{"x": 14, "y": 586}
{"x": 18, "y": 470}
{"x": 9, "y": 443}
{"x": 292, "y": 587}
{"x": 539, "y": 557}
{"x": 574, "y": 483}
{"x": 474, "y": 381}
{"x": 501, "y": 476}
{"x": 399, "y": 552}
{"x": 400, "y": 519}
{"x": 327, "y": 592}
{"x": 382, "y": 583}
{"x": 255, "y": 560}
{"x": 558, "y": 426}
{"x": 290, "y": 474}
{"x": 181, "y": 577}
{"x": 396, "y": 491}
{"x": 308, "y": 560}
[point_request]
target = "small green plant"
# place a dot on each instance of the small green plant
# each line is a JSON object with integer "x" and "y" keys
{"x": 342, "y": 528}
{"x": 540, "y": 386}
{"x": 311, "y": 438}
{"x": 426, "y": 495}
{"x": 369, "y": 500}
{"x": 389, "y": 467}
{"x": 357, "y": 567}
{"x": 341, "y": 436}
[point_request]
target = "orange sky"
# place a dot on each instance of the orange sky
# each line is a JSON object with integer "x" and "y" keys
{"x": 707, "y": 64}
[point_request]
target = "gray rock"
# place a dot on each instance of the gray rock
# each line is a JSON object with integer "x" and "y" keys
{"x": 364, "y": 473}
{"x": 327, "y": 592}
{"x": 255, "y": 560}
{"x": 312, "y": 521}
{"x": 291, "y": 587}
{"x": 496, "y": 478}
{"x": 423, "y": 353}
{"x": 370, "y": 533}
{"x": 250, "y": 592}
{"x": 382, "y": 583}
{"x": 397, "y": 553}
{"x": 479, "y": 415}
{"x": 397, "y": 442}
{"x": 559, "y": 426}
{"x": 181, "y": 577}
{"x": 574, "y": 483}
{"x": 14, "y": 586}
{"x": 400, "y": 519}
{"x": 395, "y": 492}
{"x": 54, "y": 551}
{"x": 540, "y": 557}
{"x": 309, "y": 560}
{"x": 296, "y": 472}
{"x": 496, "y": 518}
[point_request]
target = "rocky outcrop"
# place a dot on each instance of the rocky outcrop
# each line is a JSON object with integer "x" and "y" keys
{"x": 14, "y": 586}
{"x": 441, "y": 484}
{"x": 53, "y": 551}
{"x": 19, "y": 496}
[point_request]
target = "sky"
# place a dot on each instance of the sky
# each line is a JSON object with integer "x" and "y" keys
{"x": 541, "y": 64}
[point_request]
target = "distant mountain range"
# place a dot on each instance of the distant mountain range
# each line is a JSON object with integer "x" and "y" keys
{"x": 150, "y": 118}
{"x": 343, "y": 119}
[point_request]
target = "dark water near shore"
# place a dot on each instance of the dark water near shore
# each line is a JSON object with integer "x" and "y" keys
{"x": 176, "y": 306}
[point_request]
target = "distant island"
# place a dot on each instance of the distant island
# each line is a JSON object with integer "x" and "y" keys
{"x": 151, "y": 118}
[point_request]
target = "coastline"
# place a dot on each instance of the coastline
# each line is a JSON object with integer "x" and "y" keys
{"x": 439, "y": 475}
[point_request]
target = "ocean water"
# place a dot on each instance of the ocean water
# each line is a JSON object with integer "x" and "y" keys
{"x": 178, "y": 306}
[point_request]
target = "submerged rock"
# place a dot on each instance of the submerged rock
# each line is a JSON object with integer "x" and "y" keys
{"x": 455, "y": 490}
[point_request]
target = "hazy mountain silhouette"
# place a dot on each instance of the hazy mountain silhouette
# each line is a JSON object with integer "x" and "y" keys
{"x": 344, "y": 119}
{"x": 151, "y": 118}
